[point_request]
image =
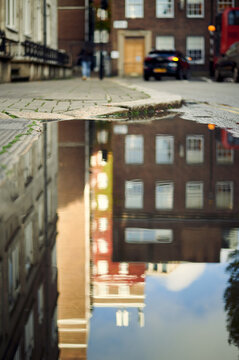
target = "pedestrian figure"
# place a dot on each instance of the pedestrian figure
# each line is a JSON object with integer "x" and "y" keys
{"x": 86, "y": 61}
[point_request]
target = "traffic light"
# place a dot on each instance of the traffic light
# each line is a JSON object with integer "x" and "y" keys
{"x": 104, "y": 4}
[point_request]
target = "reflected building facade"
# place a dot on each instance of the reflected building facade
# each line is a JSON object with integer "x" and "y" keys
{"x": 175, "y": 190}
{"x": 28, "y": 269}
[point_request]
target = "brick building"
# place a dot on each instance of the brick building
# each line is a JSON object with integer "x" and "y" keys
{"x": 138, "y": 26}
{"x": 28, "y": 270}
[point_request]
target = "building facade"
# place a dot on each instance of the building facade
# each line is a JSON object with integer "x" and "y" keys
{"x": 141, "y": 25}
{"x": 28, "y": 269}
{"x": 29, "y": 42}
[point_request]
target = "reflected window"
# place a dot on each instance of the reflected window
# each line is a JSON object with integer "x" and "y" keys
{"x": 140, "y": 235}
{"x": 13, "y": 274}
{"x": 164, "y": 149}
{"x": 40, "y": 304}
{"x": 28, "y": 239}
{"x": 223, "y": 4}
{"x": 103, "y": 202}
{"x": 164, "y": 195}
{"x": 29, "y": 336}
{"x": 102, "y": 267}
{"x": 49, "y": 202}
{"x": 103, "y": 289}
{"x": 134, "y": 194}
{"x": 224, "y": 195}
{"x": 40, "y": 217}
{"x": 40, "y": 151}
{"x": 54, "y": 328}
{"x": 53, "y": 263}
{"x": 102, "y": 180}
{"x": 27, "y": 17}
{"x": 134, "y": 8}
{"x": 224, "y": 156}
{"x": 28, "y": 168}
{"x": 194, "y": 195}
{"x": 195, "y": 149}
{"x": 164, "y": 9}
{"x": 102, "y": 246}
{"x": 123, "y": 290}
{"x": 122, "y": 318}
{"x": 103, "y": 224}
{"x": 123, "y": 268}
{"x": 134, "y": 149}
{"x": 195, "y": 8}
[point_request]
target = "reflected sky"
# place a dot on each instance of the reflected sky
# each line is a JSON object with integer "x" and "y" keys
{"x": 178, "y": 324}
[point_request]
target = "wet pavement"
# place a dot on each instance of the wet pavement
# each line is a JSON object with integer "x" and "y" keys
{"x": 120, "y": 237}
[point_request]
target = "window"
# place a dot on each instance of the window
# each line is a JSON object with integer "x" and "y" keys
{"x": 103, "y": 202}
{"x": 102, "y": 266}
{"x": 194, "y": 195}
{"x": 103, "y": 289}
{"x": 123, "y": 290}
{"x": 29, "y": 336}
{"x": 40, "y": 304}
{"x": 27, "y": 17}
{"x": 134, "y": 8}
{"x": 194, "y": 149}
{"x": 223, "y": 4}
{"x": 28, "y": 238}
{"x": 134, "y": 146}
{"x": 38, "y": 22}
{"x": 224, "y": 156}
{"x": 53, "y": 263}
{"x": 147, "y": 236}
{"x": 123, "y": 268}
{"x": 195, "y": 8}
{"x": 13, "y": 274}
{"x": 196, "y": 49}
{"x": 224, "y": 195}
{"x": 164, "y": 195}
{"x": 165, "y": 8}
{"x": 165, "y": 43}
{"x": 164, "y": 149}
{"x": 134, "y": 194}
{"x": 49, "y": 22}
{"x": 11, "y": 13}
{"x": 102, "y": 246}
{"x": 102, "y": 180}
{"x": 103, "y": 224}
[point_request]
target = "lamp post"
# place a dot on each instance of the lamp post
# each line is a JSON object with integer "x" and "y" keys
{"x": 211, "y": 29}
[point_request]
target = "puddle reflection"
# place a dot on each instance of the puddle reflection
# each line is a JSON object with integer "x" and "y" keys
{"x": 116, "y": 233}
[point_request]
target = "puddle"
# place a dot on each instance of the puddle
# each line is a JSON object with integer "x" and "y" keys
{"x": 120, "y": 239}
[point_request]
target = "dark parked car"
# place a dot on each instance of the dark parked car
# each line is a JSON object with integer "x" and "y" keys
{"x": 228, "y": 65}
{"x": 166, "y": 62}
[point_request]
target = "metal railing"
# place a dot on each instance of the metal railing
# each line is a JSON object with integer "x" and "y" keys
{"x": 8, "y": 48}
{"x": 42, "y": 52}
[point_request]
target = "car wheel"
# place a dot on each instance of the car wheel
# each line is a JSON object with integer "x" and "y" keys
{"x": 218, "y": 76}
{"x": 186, "y": 75}
{"x": 235, "y": 74}
{"x": 146, "y": 77}
{"x": 179, "y": 75}
{"x": 157, "y": 77}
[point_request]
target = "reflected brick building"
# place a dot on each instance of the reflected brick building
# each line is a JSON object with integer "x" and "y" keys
{"x": 28, "y": 270}
{"x": 175, "y": 190}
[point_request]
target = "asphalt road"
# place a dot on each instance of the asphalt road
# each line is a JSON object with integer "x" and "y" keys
{"x": 204, "y": 100}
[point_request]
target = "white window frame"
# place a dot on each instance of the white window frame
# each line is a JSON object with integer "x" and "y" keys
{"x": 29, "y": 336}
{"x": 165, "y": 39}
{"x": 11, "y": 17}
{"x": 39, "y": 22}
{"x": 223, "y": 4}
{"x": 224, "y": 156}
{"x": 134, "y": 194}
{"x": 134, "y": 149}
{"x": 131, "y": 5}
{"x": 191, "y": 194}
{"x": 190, "y": 153}
{"x": 190, "y": 48}
{"x": 13, "y": 274}
{"x": 148, "y": 236}
{"x": 164, "y": 2}
{"x": 159, "y": 149}
{"x": 194, "y": 3}
{"x": 219, "y": 204}
{"x": 166, "y": 200}
{"x": 102, "y": 267}
{"x": 102, "y": 246}
{"x": 27, "y": 18}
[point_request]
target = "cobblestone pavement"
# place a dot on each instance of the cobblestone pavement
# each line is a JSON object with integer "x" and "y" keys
{"x": 74, "y": 98}
{"x": 63, "y": 98}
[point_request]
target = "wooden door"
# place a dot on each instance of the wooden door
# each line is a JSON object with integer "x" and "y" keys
{"x": 133, "y": 56}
